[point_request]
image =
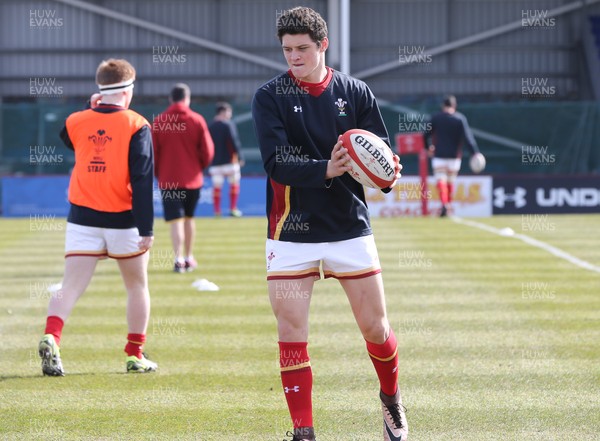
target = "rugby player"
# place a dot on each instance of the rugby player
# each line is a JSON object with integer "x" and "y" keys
{"x": 448, "y": 132}
{"x": 228, "y": 158}
{"x": 111, "y": 212}
{"x": 317, "y": 215}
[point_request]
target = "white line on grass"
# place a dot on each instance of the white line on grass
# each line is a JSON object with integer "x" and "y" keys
{"x": 508, "y": 232}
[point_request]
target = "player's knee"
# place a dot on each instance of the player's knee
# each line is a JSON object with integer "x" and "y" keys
{"x": 291, "y": 330}
{"x": 375, "y": 331}
{"x": 135, "y": 279}
{"x": 217, "y": 181}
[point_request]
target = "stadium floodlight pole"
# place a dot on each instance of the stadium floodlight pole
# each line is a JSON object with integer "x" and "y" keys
{"x": 345, "y": 36}
{"x": 333, "y": 26}
{"x": 471, "y": 39}
{"x": 173, "y": 33}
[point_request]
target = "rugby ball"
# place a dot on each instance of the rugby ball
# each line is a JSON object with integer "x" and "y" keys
{"x": 477, "y": 163}
{"x": 371, "y": 159}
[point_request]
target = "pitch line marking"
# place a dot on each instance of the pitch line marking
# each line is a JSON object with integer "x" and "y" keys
{"x": 508, "y": 232}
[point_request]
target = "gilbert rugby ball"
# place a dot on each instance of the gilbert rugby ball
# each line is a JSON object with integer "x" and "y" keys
{"x": 477, "y": 163}
{"x": 371, "y": 159}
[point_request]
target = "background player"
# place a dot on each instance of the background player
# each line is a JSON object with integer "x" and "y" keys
{"x": 111, "y": 212}
{"x": 183, "y": 148}
{"x": 317, "y": 213}
{"x": 228, "y": 158}
{"x": 449, "y": 130}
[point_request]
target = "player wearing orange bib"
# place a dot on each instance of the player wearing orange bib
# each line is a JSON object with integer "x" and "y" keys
{"x": 111, "y": 212}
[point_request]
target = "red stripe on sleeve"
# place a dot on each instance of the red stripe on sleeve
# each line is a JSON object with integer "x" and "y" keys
{"x": 277, "y": 206}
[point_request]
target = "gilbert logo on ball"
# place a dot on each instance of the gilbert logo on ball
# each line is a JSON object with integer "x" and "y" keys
{"x": 371, "y": 159}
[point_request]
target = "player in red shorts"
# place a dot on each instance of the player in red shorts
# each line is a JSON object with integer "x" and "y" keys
{"x": 317, "y": 214}
{"x": 111, "y": 212}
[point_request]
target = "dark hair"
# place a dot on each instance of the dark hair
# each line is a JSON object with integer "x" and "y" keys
{"x": 179, "y": 92}
{"x": 449, "y": 101}
{"x": 222, "y": 106}
{"x": 302, "y": 20}
{"x": 113, "y": 71}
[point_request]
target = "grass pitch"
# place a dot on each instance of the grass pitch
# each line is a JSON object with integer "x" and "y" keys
{"x": 498, "y": 339}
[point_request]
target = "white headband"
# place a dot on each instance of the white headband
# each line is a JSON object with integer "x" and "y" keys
{"x": 110, "y": 89}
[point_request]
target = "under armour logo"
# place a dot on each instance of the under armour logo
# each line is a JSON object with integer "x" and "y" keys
{"x": 518, "y": 197}
{"x": 291, "y": 389}
{"x": 297, "y": 109}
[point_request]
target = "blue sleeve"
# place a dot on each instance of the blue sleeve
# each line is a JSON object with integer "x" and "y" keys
{"x": 468, "y": 136}
{"x": 369, "y": 117}
{"x": 141, "y": 165}
{"x": 427, "y": 134}
{"x": 64, "y": 135}
{"x": 235, "y": 140}
{"x": 272, "y": 138}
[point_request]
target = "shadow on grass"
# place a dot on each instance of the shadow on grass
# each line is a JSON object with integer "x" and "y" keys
{"x": 69, "y": 374}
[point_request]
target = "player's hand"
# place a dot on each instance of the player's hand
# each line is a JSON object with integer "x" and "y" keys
{"x": 338, "y": 164}
{"x": 431, "y": 151}
{"x": 397, "y": 170}
{"x": 95, "y": 100}
{"x": 145, "y": 242}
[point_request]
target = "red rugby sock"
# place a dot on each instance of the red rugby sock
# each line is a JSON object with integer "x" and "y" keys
{"x": 135, "y": 343}
{"x": 234, "y": 193}
{"x": 450, "y": 187}
{"x": 54, "y": 326}
{"x": 385, "y": 359}
{"x": 217, "y": 200}
{"x": 296, "y": 377}
{"x": 443, "y": 191}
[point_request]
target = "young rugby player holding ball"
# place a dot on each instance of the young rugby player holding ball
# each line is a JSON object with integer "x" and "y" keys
{"x": 317, "y": 214}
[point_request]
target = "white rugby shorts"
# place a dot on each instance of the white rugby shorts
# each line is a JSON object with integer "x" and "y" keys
{"x": 347, "y": 259}
{"x": 81, "y": 240}
{"x": 445, "y": 169}
{"x": 219, "y": 172}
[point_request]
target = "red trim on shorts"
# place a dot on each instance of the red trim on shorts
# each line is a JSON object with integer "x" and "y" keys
{"x": 298, "y": 276}
{"x": 356, "y": 276}
{"x": 127, "y": 257}
{"x": 86, "y": 255}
